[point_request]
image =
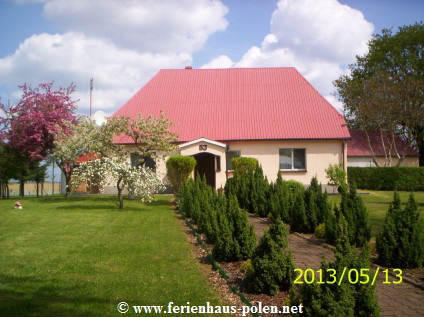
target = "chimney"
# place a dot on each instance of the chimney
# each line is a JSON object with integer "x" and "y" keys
{"x": 188, "y": 67}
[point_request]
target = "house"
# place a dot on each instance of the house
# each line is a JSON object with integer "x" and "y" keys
{"x": 271, "y": 114}
{"x": 359, "y": 153}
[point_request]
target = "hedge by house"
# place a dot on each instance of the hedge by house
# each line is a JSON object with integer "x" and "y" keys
{"x": 402, "y": 178}
{"x": 244, "y": 165}
{"x": 178, "y": 170}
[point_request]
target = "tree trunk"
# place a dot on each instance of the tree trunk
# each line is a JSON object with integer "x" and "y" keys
{"x": 420, "y": 144}
{"x": 21, "y": 187}
{"x": 7, "y": 190}
{"x": 120, "y": 198}
{"x": 38, "y": 189}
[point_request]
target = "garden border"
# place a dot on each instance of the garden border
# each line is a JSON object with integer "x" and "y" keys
{"x": 215, "y": 265}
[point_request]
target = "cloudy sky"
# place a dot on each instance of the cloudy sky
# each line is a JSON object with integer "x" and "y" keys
{"x": 123, "y": 43}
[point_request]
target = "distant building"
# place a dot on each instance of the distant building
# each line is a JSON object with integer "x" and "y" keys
{"x": 359, "y": 153}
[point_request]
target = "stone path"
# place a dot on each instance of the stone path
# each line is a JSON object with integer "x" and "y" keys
{"x": 396, "y": 300}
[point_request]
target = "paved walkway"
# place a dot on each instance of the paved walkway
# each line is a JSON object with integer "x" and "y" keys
{"x": 397, "y": 300}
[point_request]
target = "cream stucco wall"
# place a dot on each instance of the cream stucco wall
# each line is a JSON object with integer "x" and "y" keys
{"x": 319, "y": 154}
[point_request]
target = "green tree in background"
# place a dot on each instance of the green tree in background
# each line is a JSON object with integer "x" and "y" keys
{"x": 385, "y": 89}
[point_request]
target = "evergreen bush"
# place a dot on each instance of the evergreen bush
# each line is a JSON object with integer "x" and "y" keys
{"x": 272, "y": 269}
{"x": 401, "y": 243}
{"x": 346, "y": 299}
{"x": 243, "y": 232}
{"x": 298, "y": 219}
{"x": 179, "y": 169}
{"x": 356, "y": 215}
{"x": 280, "y": 200}
{"x": 244, "y": 165}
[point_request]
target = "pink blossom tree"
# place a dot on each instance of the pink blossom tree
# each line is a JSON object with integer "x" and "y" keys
{"x": 30, "y": 125}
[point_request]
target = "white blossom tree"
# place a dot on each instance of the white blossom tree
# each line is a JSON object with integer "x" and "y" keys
{"x": 138, "y": 181}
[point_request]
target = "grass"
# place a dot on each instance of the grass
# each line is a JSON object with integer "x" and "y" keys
{"x": 377, "y": 203}
{"x": 80, "y": 256}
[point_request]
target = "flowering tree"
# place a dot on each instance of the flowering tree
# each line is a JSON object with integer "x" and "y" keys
{"x": 140, "y": 182}
{"x": 81, "y": 138}
{"x": 29, "y": 126}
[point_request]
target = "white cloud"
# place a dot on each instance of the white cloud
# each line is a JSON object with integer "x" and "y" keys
{"x": 121, "y": 43}
{"x": 318, "y": 37}
{"x": 147, "y": 25}
{"x": 74, "y": 57}
{"x": 324, "y": 29}
{"x": 222, "y": 61}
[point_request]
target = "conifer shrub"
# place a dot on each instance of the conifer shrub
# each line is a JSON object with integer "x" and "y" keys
{"x": 280, "y": 199}
{"x": 401, "y": 243}
{"x": 179, "y": 169}
{"x": 356, "y": 215}
{"x": 298, "y": 219}
{"x": 295, "y": 186}
{"x": 260, "y": 192}
{"x": 346, "y": 299}
{"x": 243, "y": 232}
{"x": 272, "y": 269}
{"x": 279, "y": 232}
{"x": 320, "y": 231}
{"x": 226, "y": 248}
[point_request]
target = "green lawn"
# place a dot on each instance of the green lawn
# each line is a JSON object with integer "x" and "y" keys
{"x": 377, "y": 203}
{"x": 80, "y": 256}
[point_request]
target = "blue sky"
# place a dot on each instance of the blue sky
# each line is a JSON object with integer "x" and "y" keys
{"x": 123, "y": 43}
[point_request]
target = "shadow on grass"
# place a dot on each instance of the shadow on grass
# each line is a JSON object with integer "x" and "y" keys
{"x": 38, "y": 299}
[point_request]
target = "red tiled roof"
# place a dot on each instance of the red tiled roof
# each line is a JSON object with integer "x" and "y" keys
{"x": 86, "y": 157}
{"x": 358, "y": 146}
{"x": 237, "y": 104}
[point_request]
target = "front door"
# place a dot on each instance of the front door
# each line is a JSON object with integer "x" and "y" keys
{"x": 205, "y": 167}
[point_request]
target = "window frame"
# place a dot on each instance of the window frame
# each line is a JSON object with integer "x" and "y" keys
{"x": 135, "y": 158}
{"x": 292, "y": 169}
{"x": 227, "y": 159}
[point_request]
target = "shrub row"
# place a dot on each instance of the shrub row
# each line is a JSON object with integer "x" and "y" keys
{"x": 304, "y": 209}
{"x": 387, "y": 178}
{"x": 220, "y": 219}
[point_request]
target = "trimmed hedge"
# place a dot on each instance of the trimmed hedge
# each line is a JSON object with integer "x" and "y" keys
{"x": 178, "y": 169}
{"x": 244, "y": 165}
{"x": 387, "y": 178}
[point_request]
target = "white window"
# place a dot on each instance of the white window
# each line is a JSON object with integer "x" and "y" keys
{"x": 293, "y": 159}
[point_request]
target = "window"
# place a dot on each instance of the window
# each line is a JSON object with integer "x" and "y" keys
{"x": 147, "y": 161}
{"x": 292, "y": 159}
{"x": 230, "y": 156}
{"x": 218, "y": 163}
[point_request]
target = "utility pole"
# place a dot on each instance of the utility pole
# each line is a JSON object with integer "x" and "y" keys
{"x": 91, "y": 93}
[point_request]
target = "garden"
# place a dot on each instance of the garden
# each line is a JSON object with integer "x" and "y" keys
{"x": 264, "y": 270}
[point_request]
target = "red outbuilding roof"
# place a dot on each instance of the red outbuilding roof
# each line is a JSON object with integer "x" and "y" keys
{"x": 237, "y": 104}
{"x": 358, "y": 146}
{"x": 86, "y": 158}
